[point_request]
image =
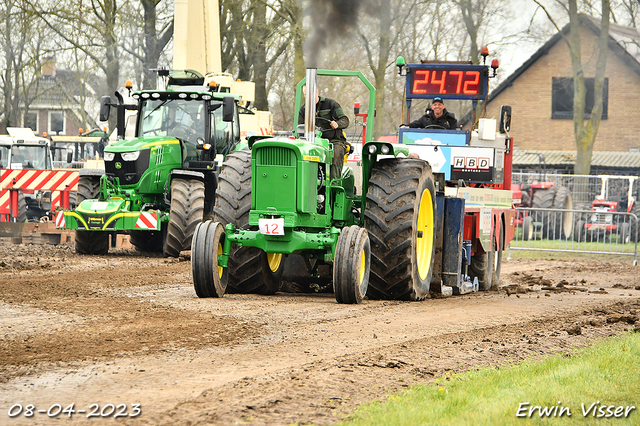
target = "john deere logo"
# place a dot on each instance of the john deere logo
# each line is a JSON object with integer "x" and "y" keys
{"x": 118, "y": 165}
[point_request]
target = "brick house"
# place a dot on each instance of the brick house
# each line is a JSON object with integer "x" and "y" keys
{"x": 59, "y": 100}
{"x": 540, "y": 93}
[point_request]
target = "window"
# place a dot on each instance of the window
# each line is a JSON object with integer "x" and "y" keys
{"x": 562, "y": 98}
{"x": 56, "y": 122}
{"x": 31, "y": 121}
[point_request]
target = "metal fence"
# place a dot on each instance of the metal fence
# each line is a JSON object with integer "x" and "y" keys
{"x": 584, "y": 188}
{"x": 579, "y": 231}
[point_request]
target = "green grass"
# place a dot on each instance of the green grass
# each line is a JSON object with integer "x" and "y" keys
{"x": 607, "y": 372}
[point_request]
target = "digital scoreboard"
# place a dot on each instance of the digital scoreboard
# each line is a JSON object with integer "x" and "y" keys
{"x": 447, "y": 81}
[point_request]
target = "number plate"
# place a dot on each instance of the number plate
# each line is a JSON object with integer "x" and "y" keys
{"x": 271, "y": 226}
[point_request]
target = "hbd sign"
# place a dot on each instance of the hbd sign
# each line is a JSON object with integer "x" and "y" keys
{"x": 471, "y": 163}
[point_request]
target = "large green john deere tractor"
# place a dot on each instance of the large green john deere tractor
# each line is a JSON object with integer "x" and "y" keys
{"x": 278, "y": 200}
{"x": 159, "y": 185}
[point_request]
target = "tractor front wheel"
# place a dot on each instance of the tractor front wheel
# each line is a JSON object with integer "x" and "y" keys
{"x": 400, "y": 219}
{"x": 209, "y": 278}
{"x": 351, "y": 265}
{"x": 187, "y": 208}
{"x": 272, "y": 271}
{"x": 247, "y": 273}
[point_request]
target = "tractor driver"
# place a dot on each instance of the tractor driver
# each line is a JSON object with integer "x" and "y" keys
{"x": 332, "y": 121}
{"x": 436, "y": 115}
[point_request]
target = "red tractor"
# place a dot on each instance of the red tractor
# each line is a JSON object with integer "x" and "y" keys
{"x": 544, "y": 195}
{"x": 603, "y": 222}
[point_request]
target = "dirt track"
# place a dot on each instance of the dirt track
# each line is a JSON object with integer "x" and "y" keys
{"x": 126, "y": 328}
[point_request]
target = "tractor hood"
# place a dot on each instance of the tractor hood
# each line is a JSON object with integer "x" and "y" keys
{"x": 305, "y": 151}
{"x": 137, "y": 144}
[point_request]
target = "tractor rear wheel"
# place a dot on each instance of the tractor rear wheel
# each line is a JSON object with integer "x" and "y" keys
{"x": 90, "y": 242}
{"x": 561, "y": 228}
{"x": 233, "y": 203}
{"x": 209, "y": 279}
{"x": 543, "y": 199}
{"x": 351, "y": 265}
{"x": 400, "y": 219}
{"x": 187, "y": 208}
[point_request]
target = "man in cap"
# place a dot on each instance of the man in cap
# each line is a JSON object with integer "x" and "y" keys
{"x": 436, "y": 116}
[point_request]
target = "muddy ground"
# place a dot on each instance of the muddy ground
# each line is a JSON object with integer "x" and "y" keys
{"x": 128, "y": 329}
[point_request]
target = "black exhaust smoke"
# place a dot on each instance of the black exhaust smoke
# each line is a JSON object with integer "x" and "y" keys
{"x": 330, "y": 21}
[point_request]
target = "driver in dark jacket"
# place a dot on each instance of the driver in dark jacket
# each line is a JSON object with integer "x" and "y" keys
{"x": 436, "y": 115}
{"x": 333, "y": 121}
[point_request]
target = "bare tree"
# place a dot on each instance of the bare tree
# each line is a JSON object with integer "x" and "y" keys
{"x": 585, "y": 133}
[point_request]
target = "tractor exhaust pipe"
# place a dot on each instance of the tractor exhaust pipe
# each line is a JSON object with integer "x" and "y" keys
{"x": 310, "y": 105}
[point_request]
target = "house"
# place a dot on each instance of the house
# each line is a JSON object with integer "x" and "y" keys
{"x": 60, "y": 102}
{"x": 540, "y": 93}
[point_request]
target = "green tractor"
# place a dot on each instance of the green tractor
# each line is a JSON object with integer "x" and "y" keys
{"x": 278, "y": 199}
{"x": 159, "y": 185}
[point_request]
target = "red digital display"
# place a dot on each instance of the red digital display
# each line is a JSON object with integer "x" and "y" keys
{"x": 452, "y": 82}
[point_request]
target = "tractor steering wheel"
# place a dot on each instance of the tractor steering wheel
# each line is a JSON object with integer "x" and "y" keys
{"x": 435, "y": 126}
{"x": 328, "y": 121}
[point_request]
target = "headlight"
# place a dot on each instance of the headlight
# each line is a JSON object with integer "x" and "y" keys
{"x": 384, "y": 149}
{"x": 372, "y": 149}
{"x": 109, "y": 156}
{"x": 130, "y": 156}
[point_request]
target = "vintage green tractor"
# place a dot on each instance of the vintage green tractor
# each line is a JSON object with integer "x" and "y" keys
{"x": 278, "y": 199}
{"x": 159, "y": 185}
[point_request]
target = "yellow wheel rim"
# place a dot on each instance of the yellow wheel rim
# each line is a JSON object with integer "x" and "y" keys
{"x": 363, "y": 264}
{"x": 220, "y": 268}
{"x": 274, "y": 260}
{"x": 424, "y": 241}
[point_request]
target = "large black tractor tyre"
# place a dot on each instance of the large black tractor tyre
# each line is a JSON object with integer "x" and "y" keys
{"x": 634, "y": 229}
{"x": 248, "y": 266}
{"x": 187, "y": 209}
{"x": 400, "y": 219}
{"x": 209, "y": 279}
{"x": 22, "y": 209}
{"x": 563, "y": 220}
{"x": 351, "y": 265}
{"x": 88, "y": 189}
{"x": 543, "y": 199}
{"x": 90, "y": 242}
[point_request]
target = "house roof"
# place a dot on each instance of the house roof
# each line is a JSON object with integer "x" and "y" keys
{"x": 616, "y": 159}
{"x": 624, "y": 41}
{"x": 63, "y": 89}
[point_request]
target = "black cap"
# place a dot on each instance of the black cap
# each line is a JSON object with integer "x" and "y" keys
{"x": 437, "y": 99}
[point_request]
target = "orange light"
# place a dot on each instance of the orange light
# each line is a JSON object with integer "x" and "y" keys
{"x": 484, "y": 50}
{"x": 80, "y": 130}
{"x": 44, "y": 134}
{"x": 128, "y": 84}
{"x": 104, "y": 129}
{"x": 495, "y": 64}
{"x": 238, "y": 80}
{"x": 212, "y": 83}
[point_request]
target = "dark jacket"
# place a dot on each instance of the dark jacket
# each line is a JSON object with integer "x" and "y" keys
{"x": 446, "y": 120}
{"x": 329, "y": 110}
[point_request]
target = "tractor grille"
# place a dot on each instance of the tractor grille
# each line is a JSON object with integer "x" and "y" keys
{"x": 275, "y": 156}
{"x": 129, "y": 172}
